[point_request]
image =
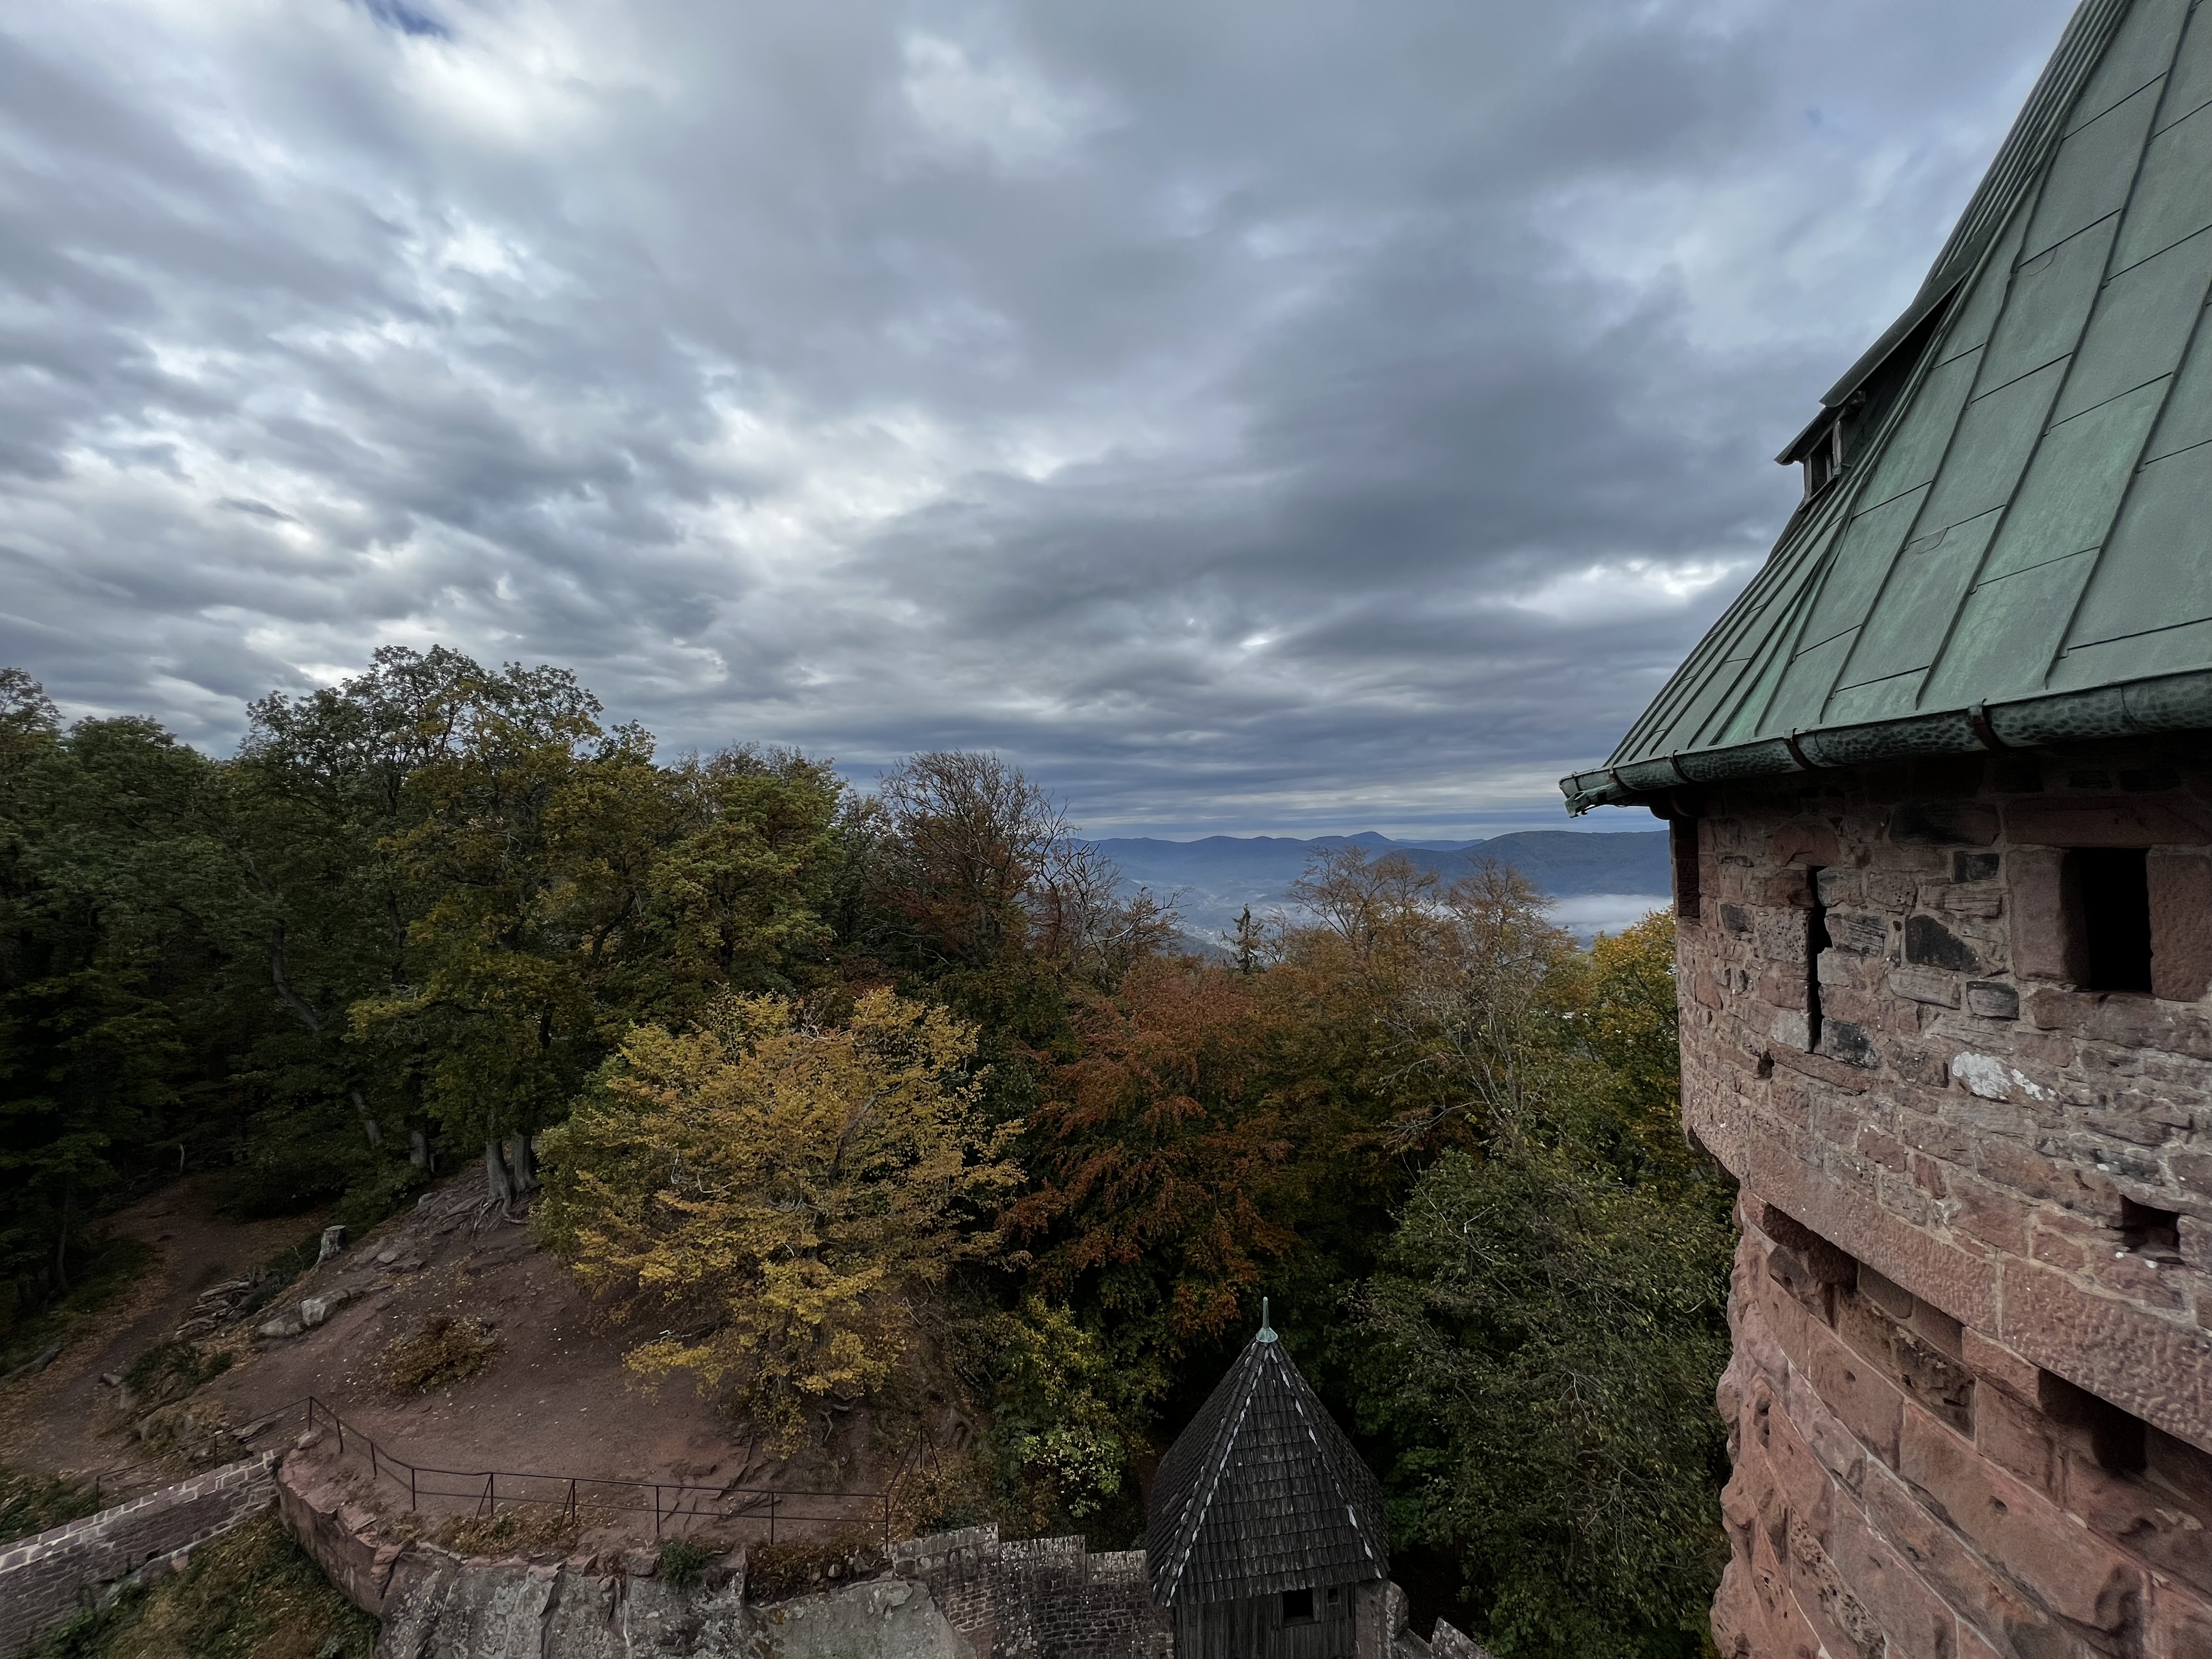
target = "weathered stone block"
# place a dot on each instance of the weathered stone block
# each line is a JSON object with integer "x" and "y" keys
{"x": 1943, "y": 823}
{"x": 2077, "y": 1578}
{"x": 1929, "y": 944}
{"x": 2079, "y": 821}
{"x": 1992, "y": 999}
{"x": 1926, "y": 985}
{"x": 1861, "y": 935}
{"x": 2180, "y": 886}
{"x": 2042, "y": 937}
{"x": 1840, "y": 1039}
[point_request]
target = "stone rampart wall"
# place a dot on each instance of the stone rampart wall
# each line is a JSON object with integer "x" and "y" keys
{"x": 1041, "y": 1598}
{"x": 43, "y": 1580}
{"x": 1971, "y": 1395}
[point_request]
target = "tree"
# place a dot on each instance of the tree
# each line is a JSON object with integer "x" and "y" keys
{"x": 1161, "y": 1157}
{"x": 780, "y": 1192}
{"x": 1548, "y": 1338}
{"x": 524, "y": 845}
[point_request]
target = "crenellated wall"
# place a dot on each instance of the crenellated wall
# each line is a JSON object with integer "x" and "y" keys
{"x": 45, "y": 1579}
{"x": 1971, "y": 1395}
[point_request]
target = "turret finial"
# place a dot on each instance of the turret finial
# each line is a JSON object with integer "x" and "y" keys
{"x": 1266, "y": 1332}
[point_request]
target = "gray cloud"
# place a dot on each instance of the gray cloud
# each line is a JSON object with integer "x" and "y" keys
{"x": 1246, "y": 415}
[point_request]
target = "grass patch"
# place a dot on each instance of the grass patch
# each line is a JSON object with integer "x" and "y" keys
{"x": 170, "y": 1371}
{"x": 251, "y": 1594}
{"x": 445, "y": 1350}
{"x": 513, "y": 1532}
{"x": 118, "y": 1264}
{"x": 32, "y": 1503}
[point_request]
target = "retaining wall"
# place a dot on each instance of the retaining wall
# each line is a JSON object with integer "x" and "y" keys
{"x": 45, "y": 1579}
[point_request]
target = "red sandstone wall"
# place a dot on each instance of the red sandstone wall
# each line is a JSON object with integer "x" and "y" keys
{"x": 1971, "y": 1410}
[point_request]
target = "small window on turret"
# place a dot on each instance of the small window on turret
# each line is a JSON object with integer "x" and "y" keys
{"x": 1298, "y": 1607}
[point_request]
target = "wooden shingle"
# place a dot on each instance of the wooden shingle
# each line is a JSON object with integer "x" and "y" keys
{"x": 1262, "y": 1493}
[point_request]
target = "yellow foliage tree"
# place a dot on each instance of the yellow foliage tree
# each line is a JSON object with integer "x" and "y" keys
{"x": 777, "y": 1192}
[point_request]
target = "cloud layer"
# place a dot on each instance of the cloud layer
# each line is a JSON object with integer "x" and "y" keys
{"x": 1246, "y": 415}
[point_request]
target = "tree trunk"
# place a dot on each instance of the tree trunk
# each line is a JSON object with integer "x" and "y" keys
{"x": 497, "y": 1181}
{"x": 522, "y": 1162}
{"x": 368, "y": 1123}
{"x": 61, "y": 1244}
{"x": 418, "y": 1150}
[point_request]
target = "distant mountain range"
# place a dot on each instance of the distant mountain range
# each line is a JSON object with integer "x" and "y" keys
{"x": 1602, "y": 880}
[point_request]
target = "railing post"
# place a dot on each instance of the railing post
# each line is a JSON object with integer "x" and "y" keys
{"x": 410, "y": 1489}
{"x": 771, "y": 1517}
{"x": 656, "y": 1509}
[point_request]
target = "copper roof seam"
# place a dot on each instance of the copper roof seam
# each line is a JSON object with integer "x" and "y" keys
{"x": 2060, "y": 640}
{"x": 2165, "y": 702}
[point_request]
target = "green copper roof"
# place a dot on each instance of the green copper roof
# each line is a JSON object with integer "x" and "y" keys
{"x": 2018, "y": 547}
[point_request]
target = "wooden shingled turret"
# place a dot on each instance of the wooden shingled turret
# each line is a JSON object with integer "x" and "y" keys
{"x": 1267, "y": 1534}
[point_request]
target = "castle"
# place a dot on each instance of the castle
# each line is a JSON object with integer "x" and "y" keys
{"x": 1939, "y": 790}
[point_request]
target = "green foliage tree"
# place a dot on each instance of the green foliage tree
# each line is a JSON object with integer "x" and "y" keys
{"x": 1548, "y": 1337}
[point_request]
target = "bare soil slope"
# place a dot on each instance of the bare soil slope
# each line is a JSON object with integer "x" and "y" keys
{"x": 60, "y": 1420}
{"x": 555, "y": 1400}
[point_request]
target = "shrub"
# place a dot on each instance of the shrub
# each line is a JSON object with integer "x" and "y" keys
{"x": 445, "y": 1350}
{"x": 682, "y": 1563}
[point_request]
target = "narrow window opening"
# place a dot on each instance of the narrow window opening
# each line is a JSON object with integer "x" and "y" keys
{"x": 1298, "y": 1607}
{"x": 2118, "y": 1439}
{"x": 1816, "y": 940}
{"x": 2112, "y": 899}
{"x": 1682, "y": 842}
{"x": 1824, "y": 459}
{"x": 1336, "y": 1596}
{"x": 2151, "y": 1232}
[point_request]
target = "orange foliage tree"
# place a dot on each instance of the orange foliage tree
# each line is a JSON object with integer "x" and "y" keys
{"x": 1160, "y": 1159}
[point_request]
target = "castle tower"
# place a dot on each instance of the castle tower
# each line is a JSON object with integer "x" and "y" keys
{"x": 1267, "y": 1534}
{"x": 1940, "y": 786}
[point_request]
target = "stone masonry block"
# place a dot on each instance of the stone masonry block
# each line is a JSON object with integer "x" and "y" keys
{"x": 2088, "y": 820}
{"x": 2157, "y": 1367}
{"x": 2077, "y": 1577}
{"x": 2180, "y": 924}
{"x": 1992, "y": 1362}
{"x": 2042, "y": 933}
{"x": 1927, "y": 985}
{"x": 1911, "y": 1615}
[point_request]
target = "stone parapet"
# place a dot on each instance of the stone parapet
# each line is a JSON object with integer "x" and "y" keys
{"x": 45, "y": 1579}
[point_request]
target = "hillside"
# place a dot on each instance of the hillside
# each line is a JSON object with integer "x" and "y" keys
{"x": 1598, "y": 880}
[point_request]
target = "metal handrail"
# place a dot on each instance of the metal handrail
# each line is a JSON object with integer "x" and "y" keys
{"x": 383, "y": 1465}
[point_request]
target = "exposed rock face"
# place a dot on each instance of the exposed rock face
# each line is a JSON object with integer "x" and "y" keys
{"x": 1972, "y": 1395}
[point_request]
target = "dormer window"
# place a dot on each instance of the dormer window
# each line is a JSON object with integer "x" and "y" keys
{"x": 1824, "y": 458}
{"x": 1819, "y": 447}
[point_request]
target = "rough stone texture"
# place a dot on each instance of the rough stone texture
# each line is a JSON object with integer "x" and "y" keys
{"x": 955, "y": 1595}
{"x": 46, "y": 1578}
{"x": 1971, "y": 1402}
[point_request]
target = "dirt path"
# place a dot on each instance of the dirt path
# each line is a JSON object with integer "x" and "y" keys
{"x": 51, "y": 1423}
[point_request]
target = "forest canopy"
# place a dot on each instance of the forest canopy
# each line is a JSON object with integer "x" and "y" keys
{"x": 835, "y": 1096}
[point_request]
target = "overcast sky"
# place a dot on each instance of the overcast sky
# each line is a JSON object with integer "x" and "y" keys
{"x": 1246, "y": 414}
